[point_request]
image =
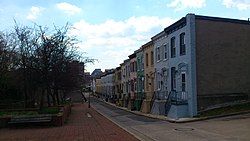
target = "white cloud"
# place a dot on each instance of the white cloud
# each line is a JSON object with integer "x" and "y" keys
{"x": 112, "y": 41}
{"x": 239, "y": 4}
{"x": 183, "y": 4}
{"x": 68, "y": 8}
{"x": 34, "y": 13}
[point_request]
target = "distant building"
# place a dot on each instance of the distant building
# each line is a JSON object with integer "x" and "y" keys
{"x": 87, "y": 79}
{"x": 76, "y": 70}
{"x": 118, "y": 85}
{"x": 96, "y": 73}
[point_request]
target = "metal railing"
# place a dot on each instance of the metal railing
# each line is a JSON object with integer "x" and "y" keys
{"x": 161, "y": 95}
{"x": 179, "y": 97}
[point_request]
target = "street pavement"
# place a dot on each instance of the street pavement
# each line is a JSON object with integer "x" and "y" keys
{"x": 233, "y": 128}
{"x": 84, "y": 124}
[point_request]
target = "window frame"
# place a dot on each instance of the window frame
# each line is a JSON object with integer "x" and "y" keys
{"x": 173, "y": 47}
{"x": 182, "y": 44}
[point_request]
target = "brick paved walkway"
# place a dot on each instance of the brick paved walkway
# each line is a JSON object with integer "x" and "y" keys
{"x": 80, "y": 127}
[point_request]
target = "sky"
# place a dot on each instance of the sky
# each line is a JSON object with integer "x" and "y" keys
{"x": 110, "y": 30}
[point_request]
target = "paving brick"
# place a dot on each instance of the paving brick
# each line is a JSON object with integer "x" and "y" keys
{"x": 79, "y": 127}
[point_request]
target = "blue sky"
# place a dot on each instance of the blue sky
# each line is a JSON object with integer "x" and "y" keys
{"x": 110, "y": 30}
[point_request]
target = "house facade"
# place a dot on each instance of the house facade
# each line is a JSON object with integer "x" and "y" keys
{"x": 123, "y": 85}
{"x": 140, "y": 79}
{"x": 126, "y": 87}
{"x": 198, "y": 57}
{"x": 195, "y": 64}
{"x": 149, "y": 75}
{"x": 118, "y": 84}
{"x": 98, "y": 86}
{"x": 132, "y": 81}
{"x": 161, "y": 90}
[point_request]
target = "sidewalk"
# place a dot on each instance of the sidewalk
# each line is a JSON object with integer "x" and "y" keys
{"x": 84, "y": 124}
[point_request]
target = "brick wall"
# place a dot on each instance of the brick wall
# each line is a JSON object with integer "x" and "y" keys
{"x": 223, "y": 62}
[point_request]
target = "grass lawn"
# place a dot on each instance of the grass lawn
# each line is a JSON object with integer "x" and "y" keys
{"x": 45, "y": 110}
{"x": 226, "y": 110}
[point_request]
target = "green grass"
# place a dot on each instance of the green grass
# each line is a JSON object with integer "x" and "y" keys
{"x": 226, "y": 110}
{"x": 49, "y": 110}
{"x": 46, "y": 110}
{"x": 18, "y": 113}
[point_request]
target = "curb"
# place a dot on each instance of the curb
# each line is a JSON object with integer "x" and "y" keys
{"x": 173, "y": 120}
{"x": 143, "y": 138}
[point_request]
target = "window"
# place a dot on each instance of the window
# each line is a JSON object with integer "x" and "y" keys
{"x": 135, "y": 66}
{"x": 182, "y": 44}
{"x": 183, "y": 82}
{"x": 146, "y": 59}
{"x": 173, "y": 47}
{"x": 162, "y": 51}
{"x": 158, "y": 80}
{"x": 152, "y": 58}
{"x": 158, "y": 53}
{"x": 173, "y": 79}
{"x": 165, "y": 51}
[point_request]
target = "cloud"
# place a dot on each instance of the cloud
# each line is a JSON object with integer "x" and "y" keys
{"x": 112, "y": 41}
{"x": 34, "y": 13}
{"x": 183, "y": 4}
{"x": 113, "y": 33}
{"x": 239, "y": 4}
{"x": 68, "y": 8}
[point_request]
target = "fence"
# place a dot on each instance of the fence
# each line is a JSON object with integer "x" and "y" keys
{"x": 179, "y": 97}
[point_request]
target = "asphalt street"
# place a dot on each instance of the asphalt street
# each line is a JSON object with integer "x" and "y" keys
{"x": 234, "y": 128}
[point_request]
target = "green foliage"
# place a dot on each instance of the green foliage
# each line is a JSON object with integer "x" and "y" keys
{"x": 36, "y": 61}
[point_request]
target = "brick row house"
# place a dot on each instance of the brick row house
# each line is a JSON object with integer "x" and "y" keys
{"x": 195, "y": 64}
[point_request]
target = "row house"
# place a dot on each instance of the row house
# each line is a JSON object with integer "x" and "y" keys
{"x": 195, "y": 64}
{"x": 132, "y": 81}
{"x": 108, "y": 85}
{"x": 123, "y": 85}
{"x": 125, "y": 82}
{"x": 140, "y": 79}
{"x": 149, "y": 76}
{"x": 118, "y": 85}
{"x": 197, "y": 51}
{"x": 97, "y": 84}
{"x": 161, "y": 73}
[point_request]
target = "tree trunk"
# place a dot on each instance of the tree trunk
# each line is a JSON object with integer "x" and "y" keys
{"x": 42, "y": 100}
{"x": 57, "y": 96}
{"x": 53, "y": 99}
{"x": 48, "y": 99}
